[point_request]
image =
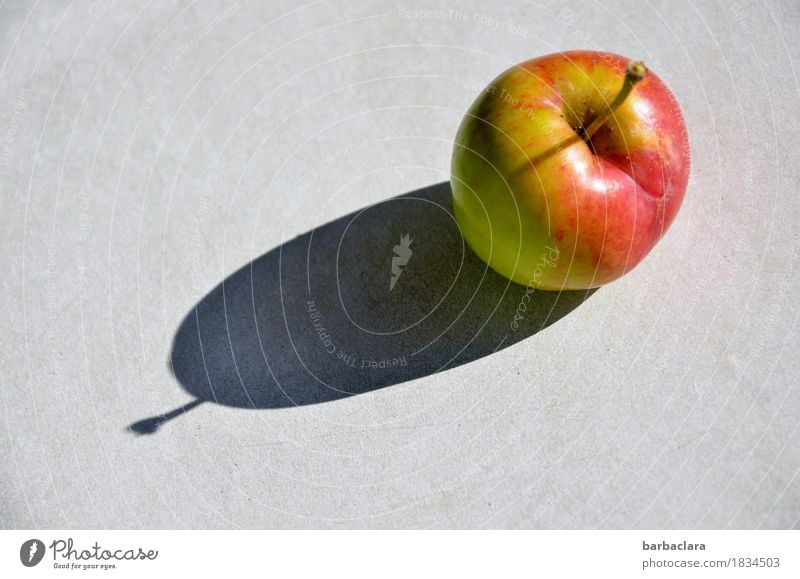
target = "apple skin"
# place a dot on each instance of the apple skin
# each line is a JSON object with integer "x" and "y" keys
{"x": 541, "y": 206}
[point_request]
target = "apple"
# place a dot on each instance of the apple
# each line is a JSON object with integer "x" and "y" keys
{"x": 569, "y": 168}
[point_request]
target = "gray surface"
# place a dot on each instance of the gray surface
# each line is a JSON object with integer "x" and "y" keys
{"x": 151, "y": 151}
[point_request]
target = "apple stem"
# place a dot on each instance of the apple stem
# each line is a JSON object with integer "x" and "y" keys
{"x": 635, "y": 72}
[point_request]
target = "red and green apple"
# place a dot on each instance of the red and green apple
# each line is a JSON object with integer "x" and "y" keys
{"x": 569, "y": 168}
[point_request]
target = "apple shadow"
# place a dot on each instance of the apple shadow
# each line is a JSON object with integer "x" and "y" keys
{"x": 375, "y": 298}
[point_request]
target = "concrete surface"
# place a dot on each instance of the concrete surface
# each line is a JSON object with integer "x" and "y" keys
{"x": 152, "y": 150}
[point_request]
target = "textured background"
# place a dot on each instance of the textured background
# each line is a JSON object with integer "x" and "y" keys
{"x": 150, "y": 150}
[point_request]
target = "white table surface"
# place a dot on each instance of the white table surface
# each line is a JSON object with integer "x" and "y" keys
{"x": 150, "y": 150}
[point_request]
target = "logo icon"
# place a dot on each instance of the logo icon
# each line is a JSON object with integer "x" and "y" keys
{"x": 402, "y": 255}
{"x": 31, "y": 552}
